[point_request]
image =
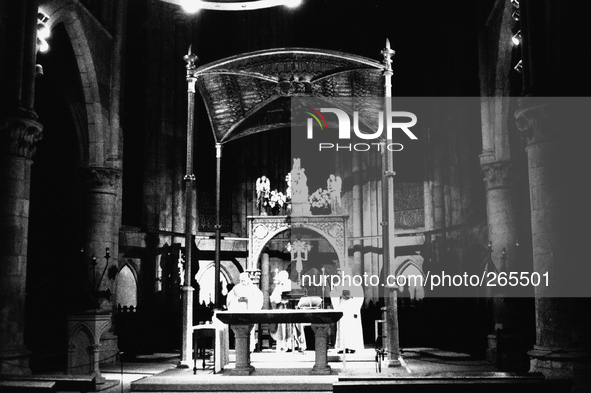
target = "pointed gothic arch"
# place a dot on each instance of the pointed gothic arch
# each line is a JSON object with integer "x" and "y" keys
{"x": 127, "y": 293}
{"x": 95, "y": 71}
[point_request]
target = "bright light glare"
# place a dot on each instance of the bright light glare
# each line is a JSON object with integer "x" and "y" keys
{"x": 516, "y": 39}
{"x": 42, "y": 31}
{"x": 293, "y": 3}
{"x": 43, "y": 45}
{"x": 191, "y": 6}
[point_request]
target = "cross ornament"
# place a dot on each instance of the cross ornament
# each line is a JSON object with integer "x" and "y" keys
{"x": 299, "y": 254}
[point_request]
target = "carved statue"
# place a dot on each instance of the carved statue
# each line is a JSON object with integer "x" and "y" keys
{"x": 263, "y": 187}
{"x": 288, "y": 189}
{"x": 334, "y": 185}
{"x": 299, "y": 180}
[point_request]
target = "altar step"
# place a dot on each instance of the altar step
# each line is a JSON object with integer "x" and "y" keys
{"x": 55, "y": 383}
{"x": 266, "y": 380}
{"x": 290, "y": 372}
{"x": 177, "y": 381}
{"x": 455, "y": 382}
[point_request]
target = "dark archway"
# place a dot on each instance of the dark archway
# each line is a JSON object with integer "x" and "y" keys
{"x": 54, "y": 273}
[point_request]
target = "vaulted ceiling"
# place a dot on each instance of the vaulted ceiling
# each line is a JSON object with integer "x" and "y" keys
{"x": 250, "y": 93}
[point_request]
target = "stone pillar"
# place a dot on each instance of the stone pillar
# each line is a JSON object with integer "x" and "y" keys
{"x": 19, "y": 130}
{"x": 429, "y": 206}
{"x": 502, "y": 210}
{"x": 101, "y": 187}
{"x": 265, "y": 280}
{"x": 507, "y": 345}
{"x": 357, "y": 216}
{"x": 436, "y": 199}
{"x": 559, "y": 218}
{"x": 438, "y": 184}
{"x": 17, "y": 136}
{"x": 242, "y": 336}
{"x": 320, "y": 347}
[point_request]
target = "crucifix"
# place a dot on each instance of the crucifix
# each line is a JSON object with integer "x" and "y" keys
{"x": 299, "y": 254}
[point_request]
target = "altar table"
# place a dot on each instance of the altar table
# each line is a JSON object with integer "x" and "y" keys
{"x": 243, "y": 322}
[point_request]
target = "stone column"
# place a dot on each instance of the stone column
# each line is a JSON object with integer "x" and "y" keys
{"x": 557, "y": 163}
{"x": 101, "y": 187}
{"x": 19, "y": 130}
{"x": 242, "y": 336}
{"x": 17, "y": 136}
{"x": 265, "y": 280}
{"x": 436, "y": 197}
{"x": 502, "y": 210}
{"x": 507, "y": 346}
{"x": 356, "y": 216}
{"x": 95, "y": 352}
{"x": 320, "y": 347}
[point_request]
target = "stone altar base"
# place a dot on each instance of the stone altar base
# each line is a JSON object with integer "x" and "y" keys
{"x": 242, "y": 323}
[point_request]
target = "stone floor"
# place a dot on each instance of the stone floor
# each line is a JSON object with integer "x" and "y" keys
{"x": 283, "y": 371}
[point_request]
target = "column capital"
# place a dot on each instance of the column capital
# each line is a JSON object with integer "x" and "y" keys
{"x": 500, "y": 174}
{"x": 320, "y": 328}
{"x": 101, "y": 179}
{"x": 538, "y": 121}
{"x": 18, "y": 135}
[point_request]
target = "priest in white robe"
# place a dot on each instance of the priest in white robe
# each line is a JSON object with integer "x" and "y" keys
{"x": 349, "y": 300}
{"x": 245, "y": 297}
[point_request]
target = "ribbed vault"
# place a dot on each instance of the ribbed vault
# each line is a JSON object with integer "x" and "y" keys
{"x": 250, "y": 93}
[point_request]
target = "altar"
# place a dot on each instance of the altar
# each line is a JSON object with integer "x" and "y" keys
{"x": 243, "y": 322}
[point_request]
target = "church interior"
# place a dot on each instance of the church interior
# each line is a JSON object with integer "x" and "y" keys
{"x": 134, "y": 136}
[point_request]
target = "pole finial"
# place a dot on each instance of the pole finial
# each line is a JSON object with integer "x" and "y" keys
{"x": 190, "y": 58}
{"x": 387, "y": 52}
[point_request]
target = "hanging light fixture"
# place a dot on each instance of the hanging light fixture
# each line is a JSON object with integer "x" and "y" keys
{"x": 519, "y": 66}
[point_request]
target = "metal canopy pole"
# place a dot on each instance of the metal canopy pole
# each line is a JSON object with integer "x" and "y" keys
{"x": 391, "y": 307}
{"x": 218, "y": 225}
{"x": 187, "y": 289}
